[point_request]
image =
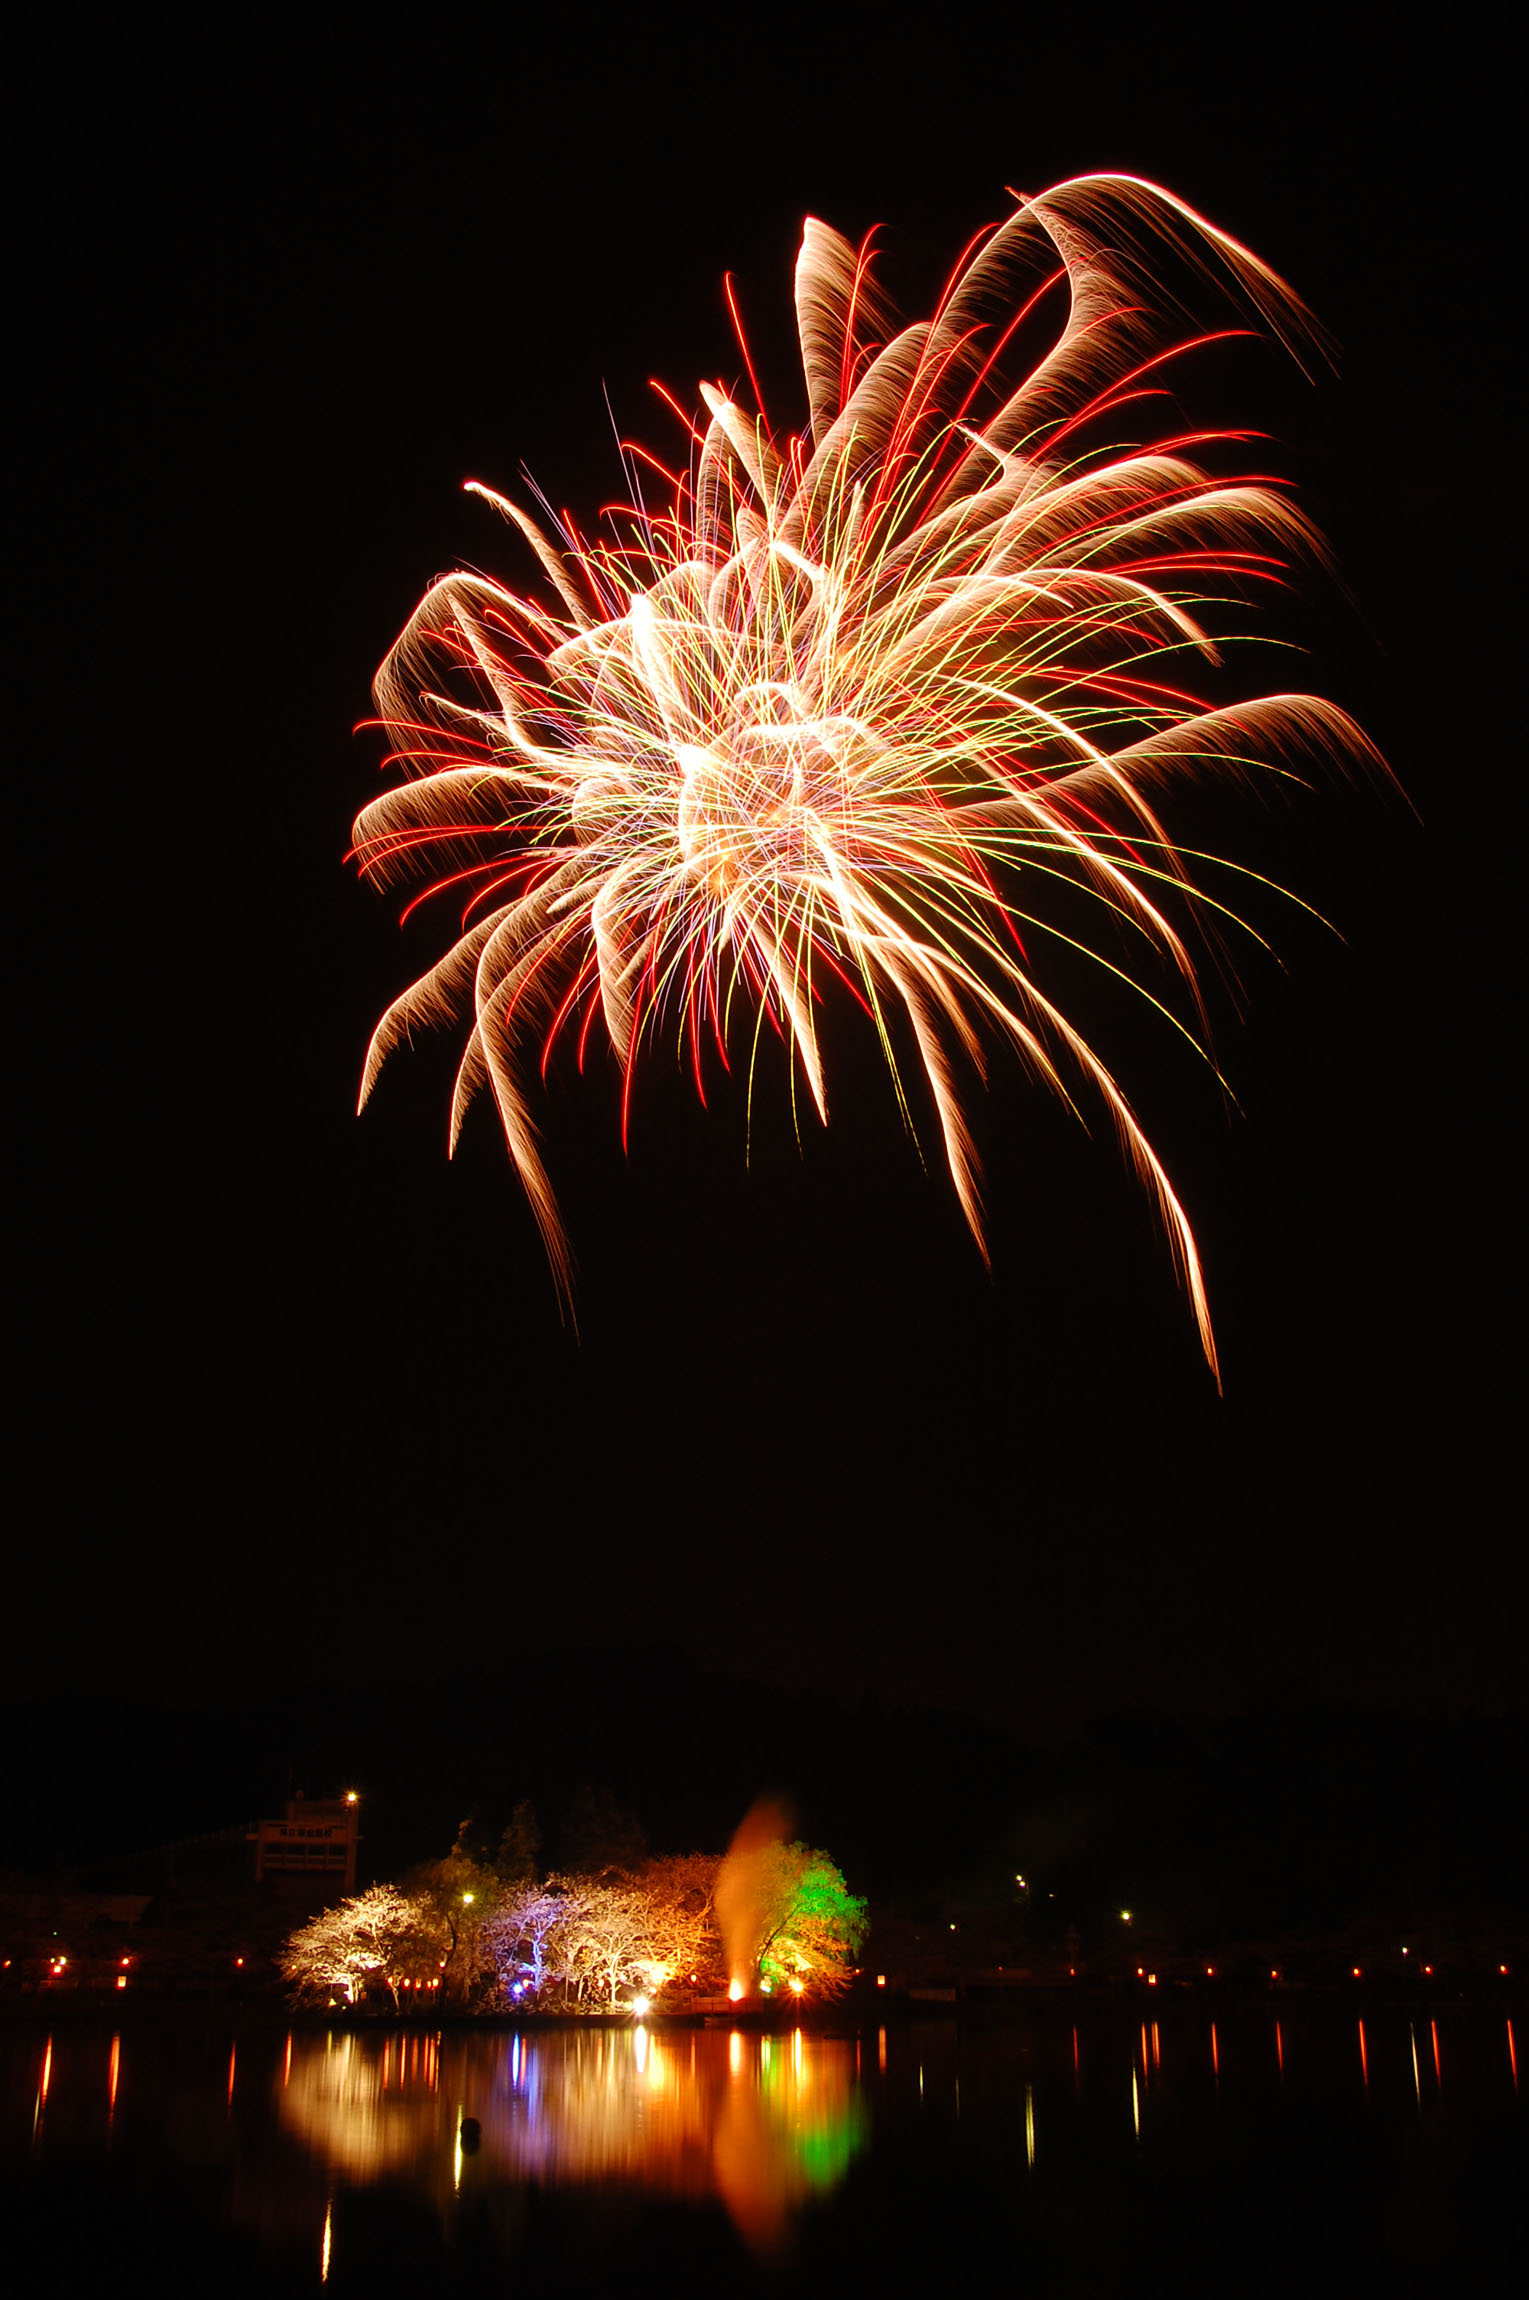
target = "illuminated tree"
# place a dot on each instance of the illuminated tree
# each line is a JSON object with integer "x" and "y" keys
{"x": 524, "y": 1937}
{"x": 597, "y": 1944}
{"x": 686, "y": 1942}
{"x": 462, "y": 1897}
{"x": 811, "y": 1924}
{"x": 376, "y": 1937}
{"x": 609, "y": 1942}
{"x": 587, "y": 1944}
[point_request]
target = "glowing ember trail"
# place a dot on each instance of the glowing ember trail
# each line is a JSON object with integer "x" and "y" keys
{"x": 859, "y": 715}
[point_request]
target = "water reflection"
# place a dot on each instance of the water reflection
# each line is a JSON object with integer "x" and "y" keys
{"x": 327, "y": 2149}
{"x": 760, "y": 2122}
{"x": 44, "y": 2078}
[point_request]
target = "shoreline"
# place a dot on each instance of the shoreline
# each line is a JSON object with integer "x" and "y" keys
{"x": 1014, "y": 2003}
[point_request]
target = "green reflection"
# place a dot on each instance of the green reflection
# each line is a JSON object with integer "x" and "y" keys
{"x": 827, "y": 2151}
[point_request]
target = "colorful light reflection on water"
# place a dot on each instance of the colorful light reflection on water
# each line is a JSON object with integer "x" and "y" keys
{"x": 316, "y": 2152}
{"x": 761, "y": 2126}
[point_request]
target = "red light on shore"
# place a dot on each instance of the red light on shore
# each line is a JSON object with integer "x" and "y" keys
{"x": 1358, "y": 1975}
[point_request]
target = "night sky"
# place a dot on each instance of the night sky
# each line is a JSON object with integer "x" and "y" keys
{"x": 297, "y": 1400}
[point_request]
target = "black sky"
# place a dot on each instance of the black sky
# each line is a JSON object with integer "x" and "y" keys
{"x": 302, "y": 1404}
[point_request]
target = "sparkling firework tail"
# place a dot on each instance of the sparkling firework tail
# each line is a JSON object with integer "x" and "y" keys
{"x": 850, "y": 709}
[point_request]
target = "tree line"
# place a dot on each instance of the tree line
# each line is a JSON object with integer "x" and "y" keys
{"x": 493, "y": 1936}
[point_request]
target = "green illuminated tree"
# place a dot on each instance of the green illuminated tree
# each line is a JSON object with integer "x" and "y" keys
{"x": 811, "y": 1924}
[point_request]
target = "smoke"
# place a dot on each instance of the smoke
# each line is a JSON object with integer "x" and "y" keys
{"x": 742, "y": 1895}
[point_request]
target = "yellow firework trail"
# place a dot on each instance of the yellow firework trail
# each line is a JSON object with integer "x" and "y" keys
{"x": 861, "y": 711}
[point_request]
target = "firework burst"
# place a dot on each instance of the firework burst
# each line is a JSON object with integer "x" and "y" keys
{"x": 860, "y": 711}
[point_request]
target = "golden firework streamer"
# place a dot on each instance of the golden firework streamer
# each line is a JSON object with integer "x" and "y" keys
{"x": 860, "y": 704}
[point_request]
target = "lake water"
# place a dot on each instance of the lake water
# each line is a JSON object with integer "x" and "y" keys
{"x": 1253, "y": 2149}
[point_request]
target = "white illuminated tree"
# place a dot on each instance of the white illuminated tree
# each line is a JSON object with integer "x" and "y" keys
{"x": 524, "y": 1936}
{"x": 372, "y": 1939}
{"x": 595, "y": 1944}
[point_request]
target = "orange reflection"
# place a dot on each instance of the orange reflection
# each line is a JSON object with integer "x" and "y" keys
{"x": 1364, "y": 2058}
{"x": 760, "y": 2121}
{"x": 111, "y": 2077}
{"x": 45, "y": 2075}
